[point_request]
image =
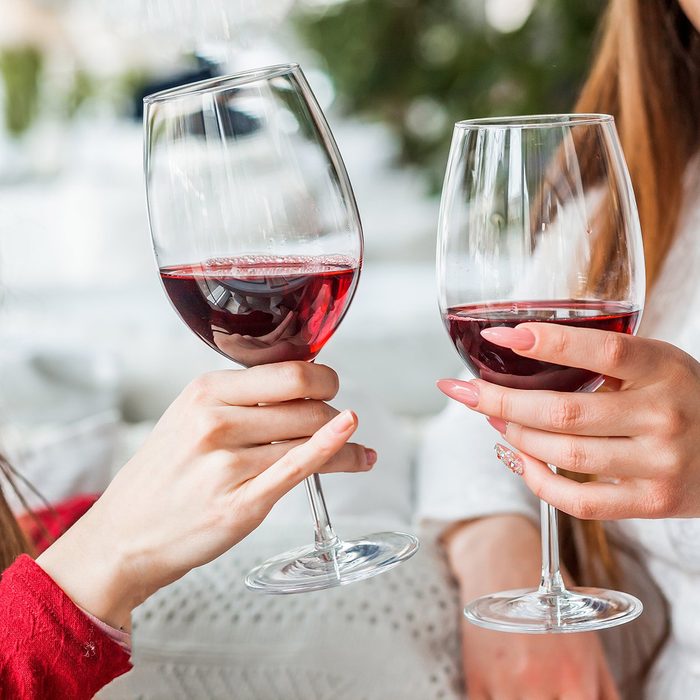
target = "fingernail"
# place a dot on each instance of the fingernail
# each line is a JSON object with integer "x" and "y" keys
{"x": 497, "y": 423}
{"x": 515, "y": 338}
{"x": 464, "y": 392}
{"x": 343, "y": 422}
{"x": 370, "y": 456}
{"x": 511, "y": 459}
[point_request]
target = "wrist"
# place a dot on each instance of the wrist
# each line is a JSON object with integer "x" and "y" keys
{"x": 94, "y": 572}
{"x": 494, "y": 553}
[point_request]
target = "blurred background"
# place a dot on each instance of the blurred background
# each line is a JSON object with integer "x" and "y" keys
{"x": 90, "y": 350}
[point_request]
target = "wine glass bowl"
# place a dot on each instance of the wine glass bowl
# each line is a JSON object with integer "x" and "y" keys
{"x": 261, "y": 309}
{"x": 259, "y": 246}
{"x": 503, "y": 366}
{"x": 538, "y": 223}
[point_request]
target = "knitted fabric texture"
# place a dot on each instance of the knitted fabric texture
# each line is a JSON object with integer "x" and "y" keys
{"x": 48, "y": 647}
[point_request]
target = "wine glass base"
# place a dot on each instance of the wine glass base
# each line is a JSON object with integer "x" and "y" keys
{"x": 573, "y": 610}
{"x": 312, "y": 569}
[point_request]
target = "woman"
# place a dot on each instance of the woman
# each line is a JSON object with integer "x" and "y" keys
{"x": 228, "y": 448}
{"x": 640, "y": 441}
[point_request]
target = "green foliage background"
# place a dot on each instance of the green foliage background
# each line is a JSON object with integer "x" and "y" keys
{"x": 20, "y": 70}
{"x": 383, "y": 55}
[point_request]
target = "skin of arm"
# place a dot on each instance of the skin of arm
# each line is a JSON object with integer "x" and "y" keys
{"x": 499, "y": 553}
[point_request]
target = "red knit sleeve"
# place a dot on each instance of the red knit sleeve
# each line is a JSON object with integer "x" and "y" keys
{"x": 48, "y": 647}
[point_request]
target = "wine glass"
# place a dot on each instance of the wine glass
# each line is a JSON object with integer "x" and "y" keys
{"x": 538, "y": 222}
{"x": 259, "y": 245}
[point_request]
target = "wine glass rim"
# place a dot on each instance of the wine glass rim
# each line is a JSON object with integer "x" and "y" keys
{"x": 223, "y": 82}
{"x": 535, "y": 121}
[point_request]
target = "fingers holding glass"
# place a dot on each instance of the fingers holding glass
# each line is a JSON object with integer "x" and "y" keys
{"x": 304, "y": 459}
{"x": 599, "y": 414}
{"x": 283, "y": 381}
{"x": 610, "y": 458}
{"x": 590, "y": 500}
{"x": 250, "y": 462}
{"x": 615, "y": 354}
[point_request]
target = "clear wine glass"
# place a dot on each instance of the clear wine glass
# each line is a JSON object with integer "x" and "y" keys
{"x": 538, "y": 222}
{"x": 259, "y": 245}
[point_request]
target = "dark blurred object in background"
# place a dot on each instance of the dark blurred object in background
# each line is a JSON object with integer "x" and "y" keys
{"x": 205, "y": 69}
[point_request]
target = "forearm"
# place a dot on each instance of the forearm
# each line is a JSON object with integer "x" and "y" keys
{"x": 494, "y": 553}
{"x": 91, "y": 569}
{"x": 500, "y": 553}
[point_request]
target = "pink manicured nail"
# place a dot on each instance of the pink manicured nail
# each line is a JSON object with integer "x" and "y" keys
{"x": 497, "y": 423}
{"x": 511, "y": 459}
{"x": 515, "y": 338}
{"x": 343, "y": 422}
{"x": 370, "y": 456}
{"x": 464, "y": 392}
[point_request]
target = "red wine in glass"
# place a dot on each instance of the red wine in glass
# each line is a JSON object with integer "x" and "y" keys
{"x": 503, "y": 366}
{"x": 261, "y": 309}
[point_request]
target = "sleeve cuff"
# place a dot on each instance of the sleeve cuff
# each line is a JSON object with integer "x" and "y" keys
{"x": 57, "y": 635}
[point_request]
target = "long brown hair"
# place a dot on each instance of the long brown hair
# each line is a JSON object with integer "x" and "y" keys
{"x": 646, "y": 73}
{"x": 12, "y": 539}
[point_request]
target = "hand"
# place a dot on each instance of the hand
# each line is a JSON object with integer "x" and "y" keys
{"x": 640, "y": 441}
{"x": 210, "y": 472}
{"x": 506, "y": 666}
{"x": 500, "y": 553}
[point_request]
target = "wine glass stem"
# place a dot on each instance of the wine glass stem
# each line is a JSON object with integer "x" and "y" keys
{"x": 551, "y": 581}
{"x": 325, "y": 537}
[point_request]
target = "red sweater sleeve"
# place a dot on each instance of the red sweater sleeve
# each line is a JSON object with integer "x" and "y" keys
{"x": 49, "y": 650}
{"x": 55, "y": 521}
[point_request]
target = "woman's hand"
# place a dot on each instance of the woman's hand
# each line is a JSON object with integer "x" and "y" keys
{"x": 503, "y": 552}
{"x": 228, "y": 448}
{"x": 640, "y": 442}
{"x": 506, "y": 666}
